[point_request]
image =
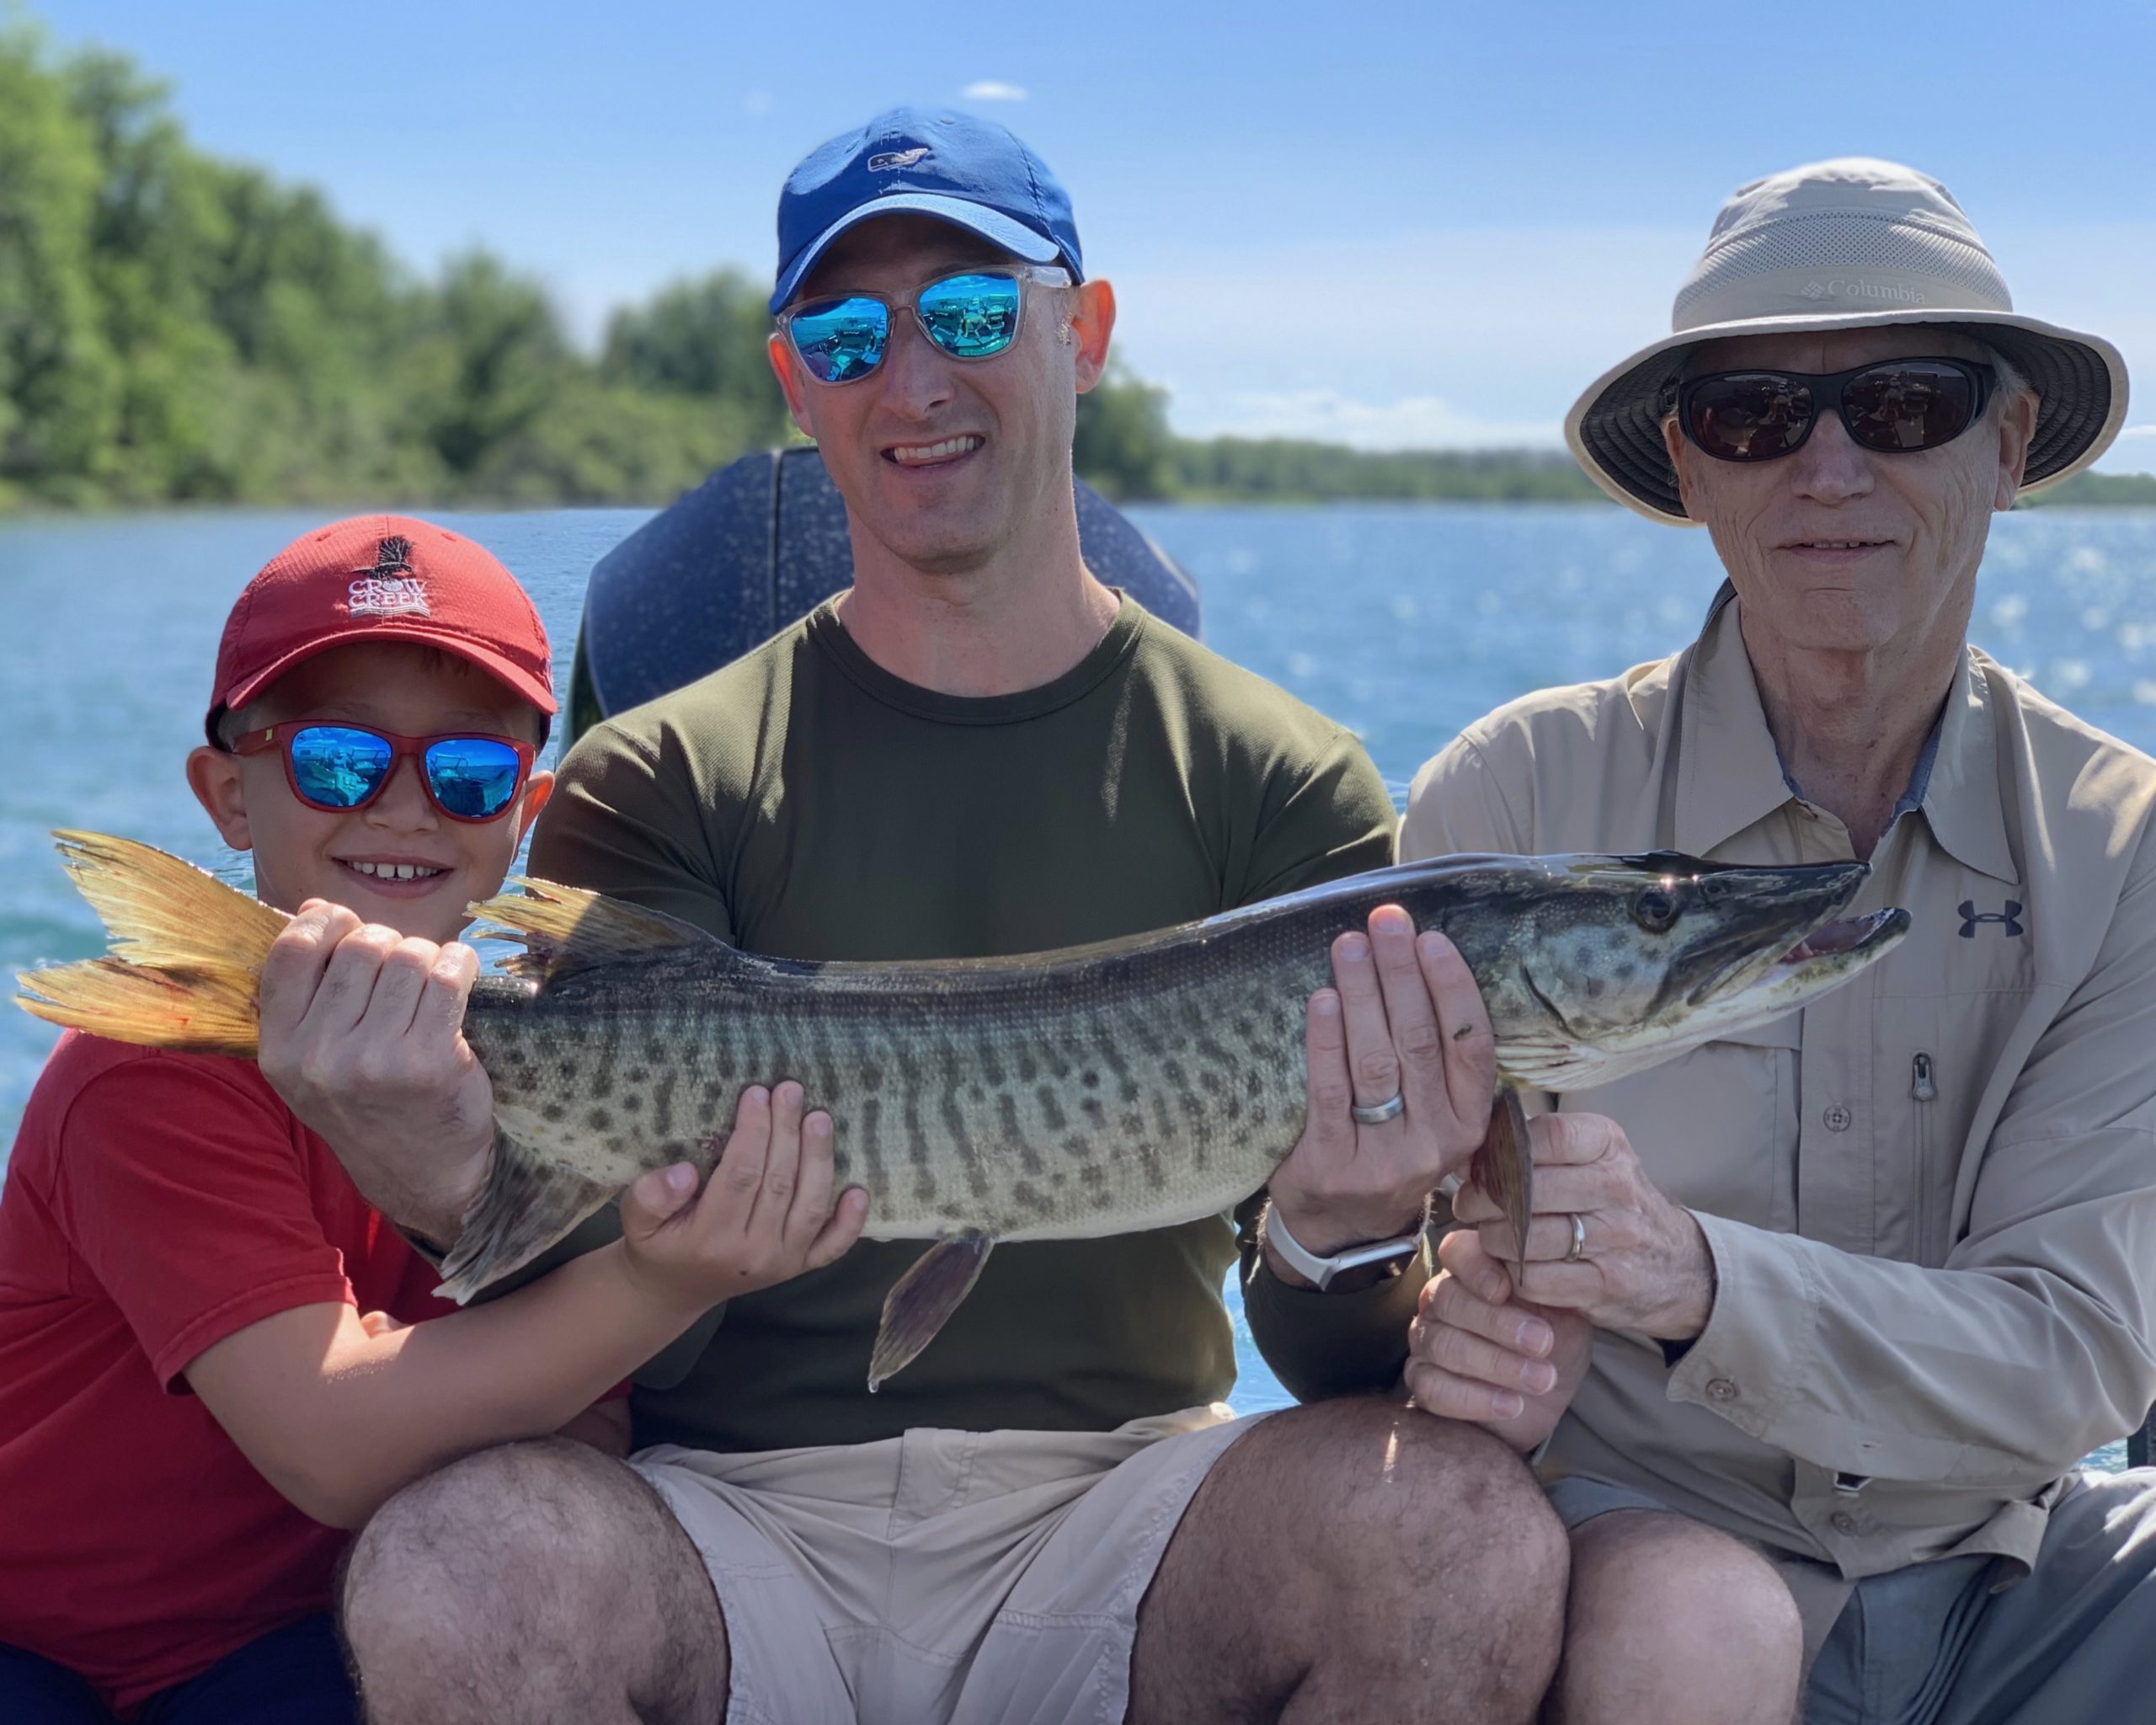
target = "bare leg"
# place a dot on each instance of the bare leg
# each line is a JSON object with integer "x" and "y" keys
{"x": 535, "y": 1582}
{"x": 1672, "y": 1623}
{"x": 1355, "y": 1560}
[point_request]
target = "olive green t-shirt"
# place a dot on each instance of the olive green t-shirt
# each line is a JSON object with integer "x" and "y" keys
{"x": 804, "y": 803}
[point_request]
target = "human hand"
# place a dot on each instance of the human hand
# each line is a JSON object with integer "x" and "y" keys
{"x": 1404, "y": 1019}
{"x": 362, "y": 1035}
{"x": 1477, "y": 1352}
{"x": 765, "y": 1214}
{"x": 1604, "y": 1242}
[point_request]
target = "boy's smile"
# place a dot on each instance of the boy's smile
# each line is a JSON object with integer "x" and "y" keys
{"x": 398, "y": 860}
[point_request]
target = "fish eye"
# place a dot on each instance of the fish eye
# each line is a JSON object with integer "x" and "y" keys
{"x": 1655, "y": 909}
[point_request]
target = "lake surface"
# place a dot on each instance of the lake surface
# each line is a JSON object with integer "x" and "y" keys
{"x": 1406, "y": 622}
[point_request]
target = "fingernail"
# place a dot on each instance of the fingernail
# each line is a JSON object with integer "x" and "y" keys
{"x": 1539, "y": 1375}
{"x": 757, "y": 1093}
{"x": 1326, "y": 1006}
{"x": 680, "y": 1177}
{"x": 1534, "y": 1336}
{"x": 1505, "y": 1405}
{"x": 1355, "y": 949}
{"x": 818, "y": 1126}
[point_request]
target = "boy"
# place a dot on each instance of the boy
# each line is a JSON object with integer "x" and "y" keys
{"x": 191, "y": 1401}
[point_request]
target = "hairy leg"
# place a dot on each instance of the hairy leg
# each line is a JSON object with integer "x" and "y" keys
{"x": 1355, "y": 1560}
{"x": 536, "y": 1582}
{"x": 1673, "y": 1623}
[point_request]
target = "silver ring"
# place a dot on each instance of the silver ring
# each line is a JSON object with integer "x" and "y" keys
{"x": 1579, "y": 1240}
{"x": 1379, "y": 1112}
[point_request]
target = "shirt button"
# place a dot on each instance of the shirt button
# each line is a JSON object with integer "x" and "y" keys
{"x": 1843, "y": 1522}
{"x": 1721, "y": 1390}
{"x": 1837, "y": 1119}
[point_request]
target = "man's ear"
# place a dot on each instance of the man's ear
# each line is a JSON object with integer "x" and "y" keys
{"x": 1672, "y": 440}
{"x": 214, "y": 776}
{"x": 780, "y": 351}
{"x": 2017, "y": 427}
{"x": 1091, "y": 315}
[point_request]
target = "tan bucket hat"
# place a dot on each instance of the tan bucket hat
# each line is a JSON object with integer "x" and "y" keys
{"x": 1839, "y": 245}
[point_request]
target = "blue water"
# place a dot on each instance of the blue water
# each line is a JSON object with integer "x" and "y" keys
{"x": 1404, "y": 622}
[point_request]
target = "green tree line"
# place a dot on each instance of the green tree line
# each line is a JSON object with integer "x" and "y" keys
{"x": 176, "y": 329}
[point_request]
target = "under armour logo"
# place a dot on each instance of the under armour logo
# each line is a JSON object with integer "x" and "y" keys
{"x": 897, "y": 159}
{"x": 1971, "y": 917}
{"x": 389, "y": 588}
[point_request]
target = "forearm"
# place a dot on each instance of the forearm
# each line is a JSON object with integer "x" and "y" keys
{"x": 1980, "y": 1369}
{"x": 1346, "y": 1340}
{"x": 385, "y": 1410}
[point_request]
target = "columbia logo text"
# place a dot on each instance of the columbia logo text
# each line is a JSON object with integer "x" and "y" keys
{"x": 1970, "y": 916}
{"x": 897, "y": 159}
{"x": 1845, "y": 288}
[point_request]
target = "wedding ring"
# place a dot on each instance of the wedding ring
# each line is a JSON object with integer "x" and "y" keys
{"x": 1579, "y": 1240}
{"x": 1379, "y": 1112}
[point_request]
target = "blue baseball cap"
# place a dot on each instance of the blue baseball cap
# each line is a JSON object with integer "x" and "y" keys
{"x": 971, "y": 172}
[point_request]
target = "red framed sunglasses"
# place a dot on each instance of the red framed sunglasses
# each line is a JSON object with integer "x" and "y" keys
{"x": 468, "y": 775}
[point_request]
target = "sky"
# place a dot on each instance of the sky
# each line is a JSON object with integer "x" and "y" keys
{"x": 1425, "y": 225}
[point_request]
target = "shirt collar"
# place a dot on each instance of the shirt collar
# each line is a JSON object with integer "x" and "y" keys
{"x": 1730, "y": 774}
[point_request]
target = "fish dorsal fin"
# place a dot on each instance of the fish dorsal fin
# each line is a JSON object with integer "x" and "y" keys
{"x": 565, "y": 928}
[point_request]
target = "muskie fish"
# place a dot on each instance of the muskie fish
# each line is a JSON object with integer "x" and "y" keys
{"x": 1092, "y": 1091}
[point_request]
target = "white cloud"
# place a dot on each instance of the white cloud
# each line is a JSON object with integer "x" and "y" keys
{"x": 2138, "y": 431}
{"x": 988, "y": 90}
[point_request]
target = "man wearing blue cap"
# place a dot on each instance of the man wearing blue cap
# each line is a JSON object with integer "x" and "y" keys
{"x": 980, "y": 750}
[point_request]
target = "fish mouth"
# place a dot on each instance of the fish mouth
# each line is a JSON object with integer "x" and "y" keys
{"x": 1844, "y": 937}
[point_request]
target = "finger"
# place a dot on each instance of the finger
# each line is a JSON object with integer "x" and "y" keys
{"x": 1470, "y": 1045}
{"x": 1471, "y": 1204}
{"x": 1372, "y": 1064}
{"x": 1328, "y": 1090}
{"x": 399, "y": 987}
{"x": 651, "y": 1201}
{"x": 782, "y": 1180}
{"x": 1439, "y": 1392}
{"x": 812, "y": 1197}
{"x": 1462, "y": 1353}
{"x": 1573, "y": 1140}
{"x": 1462, "y": 1253}
{"x": 740, "y": 1171}
{"x": 378, "y": 1324}
{"x": 1454, "y": 1305}
{"x": 1417, "y": 1042}
{"x": 1565, "y": 1287}
{"x": 293, "y": 969}
{"x": 347, "y": 979}
{"x": 835, "y": 1238}
{"x": 446, "y": 989}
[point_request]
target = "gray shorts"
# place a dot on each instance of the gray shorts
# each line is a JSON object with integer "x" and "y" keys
{"x": 1933, "y": 1644}
{"x": 943, "y": 1577}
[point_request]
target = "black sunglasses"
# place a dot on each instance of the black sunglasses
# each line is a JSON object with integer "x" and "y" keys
{"x": 1891, "y": 406}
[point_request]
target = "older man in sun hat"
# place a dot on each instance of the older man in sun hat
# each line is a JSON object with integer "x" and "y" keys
{"x": 1861, "y": 1288}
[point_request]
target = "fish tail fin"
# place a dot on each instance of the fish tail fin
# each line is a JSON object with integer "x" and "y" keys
{"x": 187, "y": 953}
{"x": 528, "y": 1205}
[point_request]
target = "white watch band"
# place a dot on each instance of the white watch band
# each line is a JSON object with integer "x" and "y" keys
{"x": 1321, "y": 1270}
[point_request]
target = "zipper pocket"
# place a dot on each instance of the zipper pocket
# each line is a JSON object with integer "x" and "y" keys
{"x": 1924, "y": 1090}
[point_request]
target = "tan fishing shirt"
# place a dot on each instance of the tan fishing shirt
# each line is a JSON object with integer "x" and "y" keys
{"x": 1931, "y": 1197}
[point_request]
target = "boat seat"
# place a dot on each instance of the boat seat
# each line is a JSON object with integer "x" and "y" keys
{"x": 758, "y": 545}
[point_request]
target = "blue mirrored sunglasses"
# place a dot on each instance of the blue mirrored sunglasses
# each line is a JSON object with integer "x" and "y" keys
{"x": 970, "y": 316}
{"x": 344, "y": 766}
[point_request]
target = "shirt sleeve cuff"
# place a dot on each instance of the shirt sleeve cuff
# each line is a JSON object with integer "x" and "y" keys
{"x": 203, "y": 1333}
{"x": 1321, "y": 1343}
{"x": 1764, "y": 1322}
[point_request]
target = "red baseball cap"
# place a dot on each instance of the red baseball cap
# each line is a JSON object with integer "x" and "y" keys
{"x": 378, "y": 577}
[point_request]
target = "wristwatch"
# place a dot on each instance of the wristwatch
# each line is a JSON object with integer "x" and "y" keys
{"x": 1321, "y": 1270}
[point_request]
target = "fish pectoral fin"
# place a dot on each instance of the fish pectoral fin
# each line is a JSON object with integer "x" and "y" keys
{"x": 923, "y": 1299}
{"x": 565, "y": 928}
{"x": 527, "y": 1206}
{"x": 1504, "y": 1169}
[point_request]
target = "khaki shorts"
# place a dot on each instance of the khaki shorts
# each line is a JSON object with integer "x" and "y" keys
{"x": 966, "y": 1576}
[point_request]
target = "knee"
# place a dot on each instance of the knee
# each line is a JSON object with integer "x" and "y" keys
{"x": 1665, "y": 1595}
{"x": 1441, "y": 1510}
{"x": 482, "y": 1548}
